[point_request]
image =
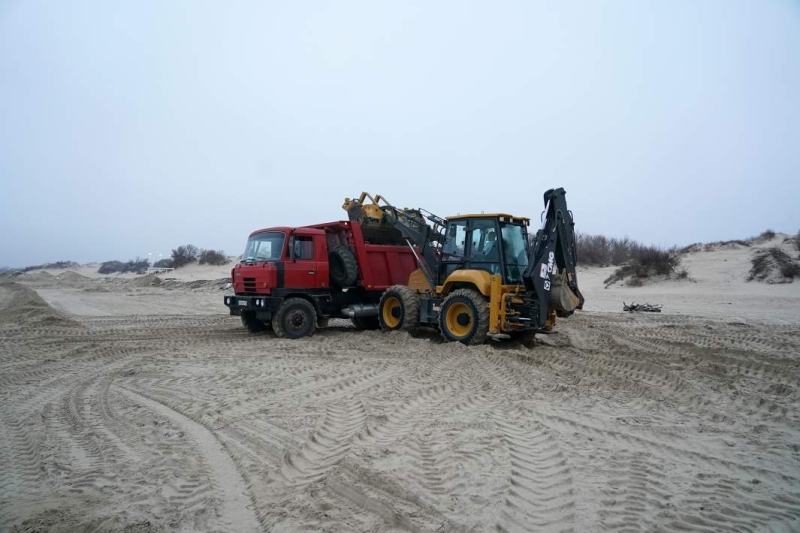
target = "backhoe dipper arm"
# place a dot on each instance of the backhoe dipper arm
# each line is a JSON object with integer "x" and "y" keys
{"x": 553, "y": 247}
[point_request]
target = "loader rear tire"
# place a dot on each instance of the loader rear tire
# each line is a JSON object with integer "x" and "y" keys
{"x": 398, "y": 309}
{"x": 295, "y": 318}
{"x": 464, "y": 317}
{"x": 366, "y": 322}
{"x": 343, "y": 267}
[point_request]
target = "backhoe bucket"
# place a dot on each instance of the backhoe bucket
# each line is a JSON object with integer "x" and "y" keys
{"x": 561, "y": 296}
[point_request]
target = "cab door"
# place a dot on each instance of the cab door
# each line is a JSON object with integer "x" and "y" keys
{"x": 300, "y": 265}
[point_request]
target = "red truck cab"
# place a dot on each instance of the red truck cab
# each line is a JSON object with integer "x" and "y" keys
{"x": 282, "y": 257}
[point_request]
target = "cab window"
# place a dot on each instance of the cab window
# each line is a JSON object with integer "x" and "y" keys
{"x": 303, "y": 248}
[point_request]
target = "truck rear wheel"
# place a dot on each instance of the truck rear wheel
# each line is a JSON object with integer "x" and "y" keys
{"x": 343, "y": 267}
{"x": 253, "y": 324}
{"x": 398, "y": 309}
{"x": 295, "y": 318}
{"x": 366, "y": 322}
{"x": 464, "y": 317}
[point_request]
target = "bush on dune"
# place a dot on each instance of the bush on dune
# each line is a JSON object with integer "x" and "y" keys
{"x": 772, "y": 262}
{"x": 139, "y": 266}
{"x": 213, "y": 257}
{"x": 648, "y": 262}
{"x": 183, "y": 255}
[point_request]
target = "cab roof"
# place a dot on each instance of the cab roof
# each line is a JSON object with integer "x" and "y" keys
{"x": 504, "y": 217}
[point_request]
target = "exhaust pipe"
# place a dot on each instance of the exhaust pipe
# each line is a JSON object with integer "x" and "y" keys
{"x": 359, "y": 310}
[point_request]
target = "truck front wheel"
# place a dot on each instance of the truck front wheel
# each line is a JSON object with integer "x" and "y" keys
{"x": 399, "y": 309}
{"x": 464, "y": 317}
{"x": 295, "y": 318}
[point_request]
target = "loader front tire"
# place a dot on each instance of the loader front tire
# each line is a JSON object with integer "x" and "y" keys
{"x": 398, "y": 309}
{"x": 464, "y": 317}
{"x": 295, "y": 318}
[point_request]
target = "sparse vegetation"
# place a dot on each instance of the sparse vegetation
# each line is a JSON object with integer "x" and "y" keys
{"x": 771, "y": 261}
{"x": 139, "y": 266}
{"x": 56, "y": 265}
{"x": 163, "y": 263}
{"x": 636, "y": 261}
{"x": 213, "y": 257}
{"x": 647, "y": 262}
{"x": 765, "y": 236}
{"x": 183, "y": 255}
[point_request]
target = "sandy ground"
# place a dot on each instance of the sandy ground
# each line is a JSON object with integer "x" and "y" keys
{"x": 133, "y": 407}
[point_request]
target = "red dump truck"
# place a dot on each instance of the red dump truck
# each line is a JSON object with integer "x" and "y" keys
{"x": 294, "y": 279}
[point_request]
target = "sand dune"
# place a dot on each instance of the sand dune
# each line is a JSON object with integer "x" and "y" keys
{"x": 146, "y": 408}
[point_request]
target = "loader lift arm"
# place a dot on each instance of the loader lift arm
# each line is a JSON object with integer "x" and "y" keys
{"x": 410, "y": 226}
{"x": 551, "y": 272}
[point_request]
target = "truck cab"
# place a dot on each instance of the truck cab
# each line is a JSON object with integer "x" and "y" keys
{"x": 276, "y": 258}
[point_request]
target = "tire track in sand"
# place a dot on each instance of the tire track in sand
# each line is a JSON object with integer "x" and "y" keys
{"x": 326, "y": 446}
{"x": 541, "y": 496}
{"x": 236, "y": 511}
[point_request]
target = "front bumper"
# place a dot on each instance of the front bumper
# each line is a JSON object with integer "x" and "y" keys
{"x": 263, "y": 306}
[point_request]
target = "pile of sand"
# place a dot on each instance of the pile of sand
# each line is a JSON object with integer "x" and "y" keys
{"x": 72, "y": 279}
{"x": 150, "y": 280}
{"x": 25, "y": 306}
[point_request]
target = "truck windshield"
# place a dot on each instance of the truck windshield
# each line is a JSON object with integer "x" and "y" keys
{"x": 266, "y": 246}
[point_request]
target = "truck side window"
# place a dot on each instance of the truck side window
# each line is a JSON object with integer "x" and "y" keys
{"x": 303, "y": 248}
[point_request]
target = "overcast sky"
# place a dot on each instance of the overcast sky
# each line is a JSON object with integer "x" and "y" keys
{"x": 131, "y": 128}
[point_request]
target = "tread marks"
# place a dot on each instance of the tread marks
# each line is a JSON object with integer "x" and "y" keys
{"x": 540, "y": 495}
{"x": 408, "y": 415}
{"x": 326, "y": 446}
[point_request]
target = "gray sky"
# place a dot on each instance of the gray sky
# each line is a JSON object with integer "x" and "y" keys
{"x": 131, "y": 128}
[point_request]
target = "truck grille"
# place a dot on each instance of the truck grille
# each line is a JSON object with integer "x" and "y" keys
{"x": 249, "y": 284}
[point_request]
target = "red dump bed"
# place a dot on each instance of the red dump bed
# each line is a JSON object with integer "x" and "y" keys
{"x": 380, "y": 266}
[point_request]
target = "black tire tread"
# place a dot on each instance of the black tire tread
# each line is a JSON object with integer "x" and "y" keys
{"x": 348, "y": 261}
{"x": 277, "y": 318}
{"x": 410, "y": 303}
{"x": 480, "y": 303}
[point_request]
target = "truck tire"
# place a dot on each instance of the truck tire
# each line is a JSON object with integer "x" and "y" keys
{"x": 464, "y": 317}
{"x": 252, "y": 324}
{"x": 398, "y": 309}
{"x": 295, "y": 318}
{"x": 366, "y": 322}
{"x": 343, "y": 267}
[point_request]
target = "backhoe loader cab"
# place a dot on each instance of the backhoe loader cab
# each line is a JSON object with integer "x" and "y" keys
{"x": 494, "y": 243}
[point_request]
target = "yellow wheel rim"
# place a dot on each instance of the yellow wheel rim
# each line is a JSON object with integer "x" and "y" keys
{"x": 459, "y": 319}
{"x": 392, "y": 312}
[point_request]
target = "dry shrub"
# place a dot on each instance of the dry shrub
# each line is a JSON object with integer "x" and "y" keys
{"x": 599, "y": 250}
{"x": 183, "y": 255}
{"x": 213, "y": 257}
{"x": 646, "y": 262}
{"x": 56, "y": 265}
{"x": 137, "y": 265}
